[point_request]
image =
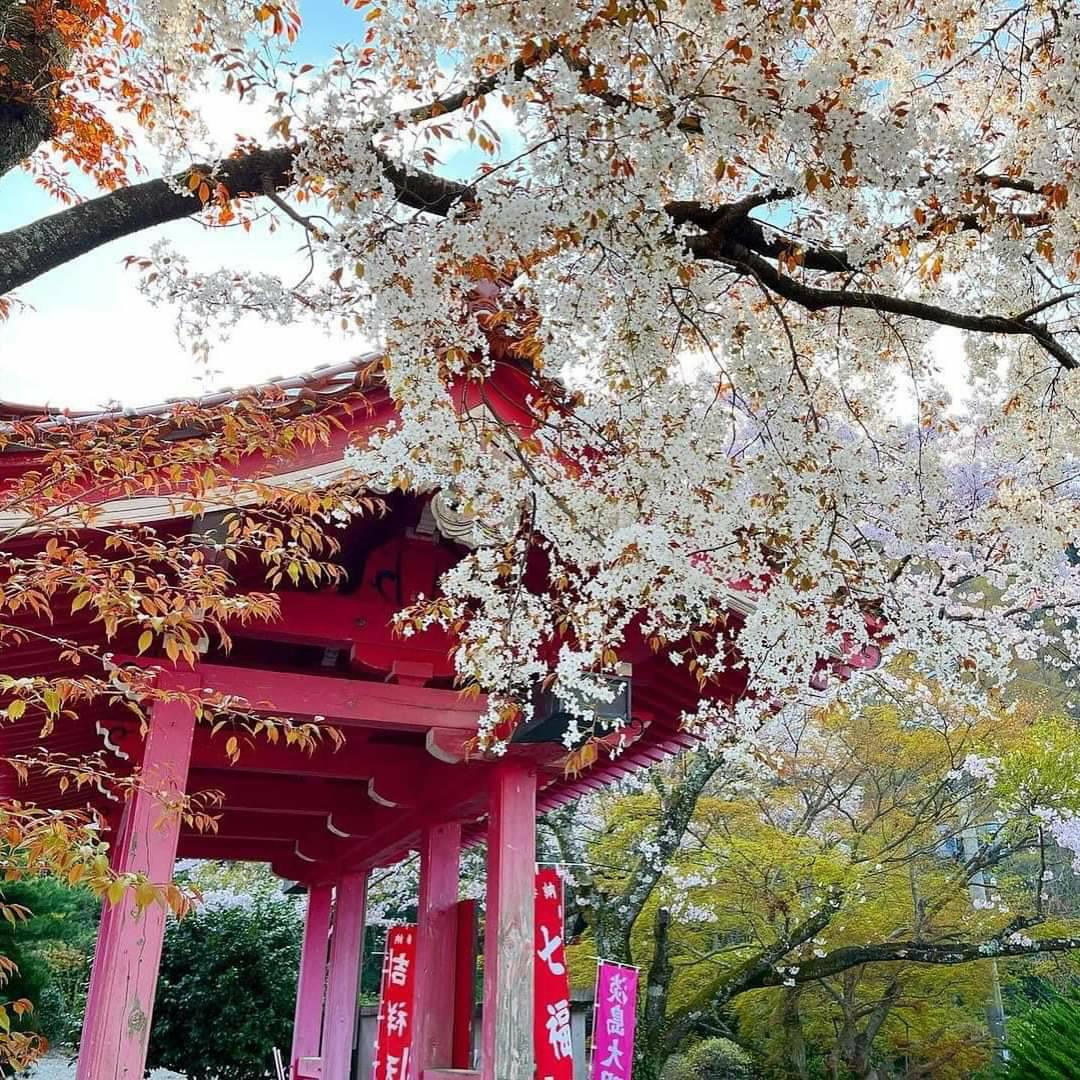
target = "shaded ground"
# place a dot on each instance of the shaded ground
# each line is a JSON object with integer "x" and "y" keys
{"x": 56, "y": 1067}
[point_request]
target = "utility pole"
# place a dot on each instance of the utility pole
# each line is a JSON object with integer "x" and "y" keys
{"x": 980, "y": 898}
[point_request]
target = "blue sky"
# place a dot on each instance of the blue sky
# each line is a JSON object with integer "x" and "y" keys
{"x": 87, "y": 338}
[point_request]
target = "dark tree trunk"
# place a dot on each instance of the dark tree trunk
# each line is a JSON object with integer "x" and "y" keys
{"x": 28, "y": 58}
{"x": 652, "y": 1042}
{"x": 23, "y": 128}
{"x": 794, "y": 1043}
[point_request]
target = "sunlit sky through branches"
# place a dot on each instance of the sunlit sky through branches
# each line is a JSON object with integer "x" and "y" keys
{"x": 83, "y": 336}
{"x": 86, "y": 337}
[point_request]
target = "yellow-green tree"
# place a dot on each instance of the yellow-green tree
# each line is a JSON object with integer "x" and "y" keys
{"x": 850, "y": 897}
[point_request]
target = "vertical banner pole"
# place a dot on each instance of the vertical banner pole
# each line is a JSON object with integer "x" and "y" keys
{"x": 393, "y": 1041}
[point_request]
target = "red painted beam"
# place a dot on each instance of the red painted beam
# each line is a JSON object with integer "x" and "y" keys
{"x": 401, "y": 790}
{"x": 307, "y": 837}
{"x": 351, "y": 762}
{"x": 363, "y": 624}
{"x": 290, "y": 868}
{"x": 346, "y": 702}
{"x": 328, "y": 848}
{"x": 463, "y": 797}
{"x": 207, "y": 846}
{"x": 253, "y": 825}
{"x": 270, "y": 794}
{"x": 359, "y": 821}
{"x": 355, "y": 760}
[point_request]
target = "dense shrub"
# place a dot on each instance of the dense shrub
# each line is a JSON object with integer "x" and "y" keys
{"x": 59, "y": 1013}
{"x": 1044, "y": 1044}
{"x": 227, "y": 988}
{"x": 52, "y": 948}
{"x": 713, "y": 1059}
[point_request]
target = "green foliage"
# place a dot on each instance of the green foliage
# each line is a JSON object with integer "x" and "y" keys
{"x": 59, "y": 1014}
{"x": 227, "y": 989}
{"x": 1041, "y": 768}
{"x": 868, "y": 832}
{"x": 1045, "y": 1043}
{"x": 215, "y": 876}
{"x": 712, "y": 1059}
{"x": 52, "y": 948}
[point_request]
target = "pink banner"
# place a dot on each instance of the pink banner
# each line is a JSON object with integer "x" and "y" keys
{"x": 613, "y": 1026}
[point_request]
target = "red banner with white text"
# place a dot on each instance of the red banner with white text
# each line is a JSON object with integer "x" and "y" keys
{"x": 393, "y": 1040}
{"x": 551, "y": 1026}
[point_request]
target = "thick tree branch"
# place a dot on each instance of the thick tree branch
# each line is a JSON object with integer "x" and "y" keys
{"x": 915, "y": 952}
{"x": 755, "y": 972}
{"x": 32, "y": 250}
{"x": 725, "y": 227}
{"x": 817, "y": 299}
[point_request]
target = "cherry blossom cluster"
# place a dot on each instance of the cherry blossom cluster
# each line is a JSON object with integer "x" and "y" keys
{"x": 683, "y": 218}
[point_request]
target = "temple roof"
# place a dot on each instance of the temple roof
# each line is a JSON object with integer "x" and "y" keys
{"x": 407, "y": 758}
{"x": 321, "y": 382}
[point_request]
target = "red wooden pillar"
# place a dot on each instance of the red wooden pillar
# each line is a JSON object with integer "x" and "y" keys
{"x": 343, "y": 976}
{"x": 120, "y": 1002}
{"x": 464, "y": 984}
{"x": 311, "y": 985}
{"x": 436, "y": 945}
{"x": 507, "y": 1034}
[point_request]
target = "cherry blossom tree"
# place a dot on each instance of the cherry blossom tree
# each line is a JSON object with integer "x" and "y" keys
{"x": 795, "y": 280}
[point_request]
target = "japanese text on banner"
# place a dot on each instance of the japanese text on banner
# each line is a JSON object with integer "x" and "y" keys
{"x": 552, "y": 1043}
{"x": 613, "y": 1029}
{"x": 393, "y": 1040}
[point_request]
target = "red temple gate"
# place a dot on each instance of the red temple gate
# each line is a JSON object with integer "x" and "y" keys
{"x": 326, "y": 818}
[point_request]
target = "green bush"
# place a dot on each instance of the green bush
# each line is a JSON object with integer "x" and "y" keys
{"x": 1044, "y": 1044}
{"x": 53, "y": 949}
{"x": 227, "y": 989}
{"x": 713, "y": 1059}
{"x": 59, "y": 1014}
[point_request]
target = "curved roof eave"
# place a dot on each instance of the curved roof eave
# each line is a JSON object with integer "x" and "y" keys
{"x": 324, "y": 380}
